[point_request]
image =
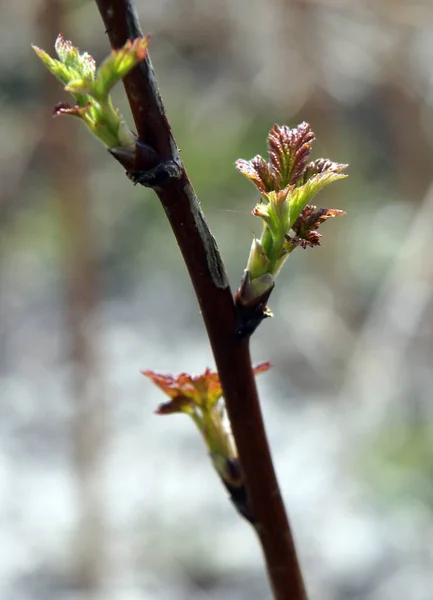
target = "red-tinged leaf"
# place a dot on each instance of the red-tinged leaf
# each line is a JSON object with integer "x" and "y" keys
{"x": 185, "y": 391}
{"x": 177, "y": 405}
{"x": 289, "y": 150}
{"x": 306, "y": 225}
{"x": 321, "y": 165}
{"x": 166, "y": 383}
{"x": 63, "y": 108}
{"x": 262, "y": 367}
{"x": 258, "y": 171}
{"x": 202, "y": 390}
{"x": 312, "y": 239}
{"x": 311, "y": 217}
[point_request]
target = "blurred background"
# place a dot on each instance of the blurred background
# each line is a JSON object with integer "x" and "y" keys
{"x": 99, "y": 497}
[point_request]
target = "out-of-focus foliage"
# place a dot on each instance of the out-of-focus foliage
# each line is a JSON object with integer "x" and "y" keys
{"x": 351, "y": 345}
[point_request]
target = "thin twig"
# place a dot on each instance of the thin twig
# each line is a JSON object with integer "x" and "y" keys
{"x": 215, "y": 298}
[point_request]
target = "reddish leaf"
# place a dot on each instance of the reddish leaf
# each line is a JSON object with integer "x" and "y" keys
{"x": 321, "y": 165}
{"x": 177, "y": 405}
{"x": 306, "y": 225}
{"x": 289, "y": 150}
{"x": 258, "y": 171}
{"x": 262, "y": 367}
{"x": 186, "y": 391}
{"x": 63, "y": 108}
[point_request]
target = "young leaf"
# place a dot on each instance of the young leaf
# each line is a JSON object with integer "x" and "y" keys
{"x": 289, "y": 150}
{"x": 201, "y": 391}
{"x": 287, "y": 184}
{"x": 258, "y": 171}
{"x": 308, "y": 222}
{"x": 118, "y": 64}
{"x": 199, "y": 397}
{"x": 301, "y": 196}
{"x": 90, "y": 87}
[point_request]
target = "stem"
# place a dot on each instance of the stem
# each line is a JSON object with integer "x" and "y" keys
{"x": 211, "y": 286}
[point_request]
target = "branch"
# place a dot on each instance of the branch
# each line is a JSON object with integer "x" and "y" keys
{"x": 211, "y": 286}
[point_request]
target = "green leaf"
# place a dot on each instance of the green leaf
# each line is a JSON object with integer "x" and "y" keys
{"x": 58, "y": 69}
{"x": 258, "y": 262}
{"x": 83, "y": 65}
{"x": 118, "y": 64}
{"x": 279, "y": 210}
{"x": 301, "y": 196}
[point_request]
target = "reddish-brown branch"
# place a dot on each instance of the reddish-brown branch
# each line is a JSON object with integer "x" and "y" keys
{"x": 208, "y": 276}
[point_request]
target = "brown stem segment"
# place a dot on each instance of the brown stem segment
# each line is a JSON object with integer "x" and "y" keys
{"x": 211, "y": 286}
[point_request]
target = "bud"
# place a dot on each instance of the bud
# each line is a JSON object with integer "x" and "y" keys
{"x": 287, "y": 184}
{"x": 90, "y": 87}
